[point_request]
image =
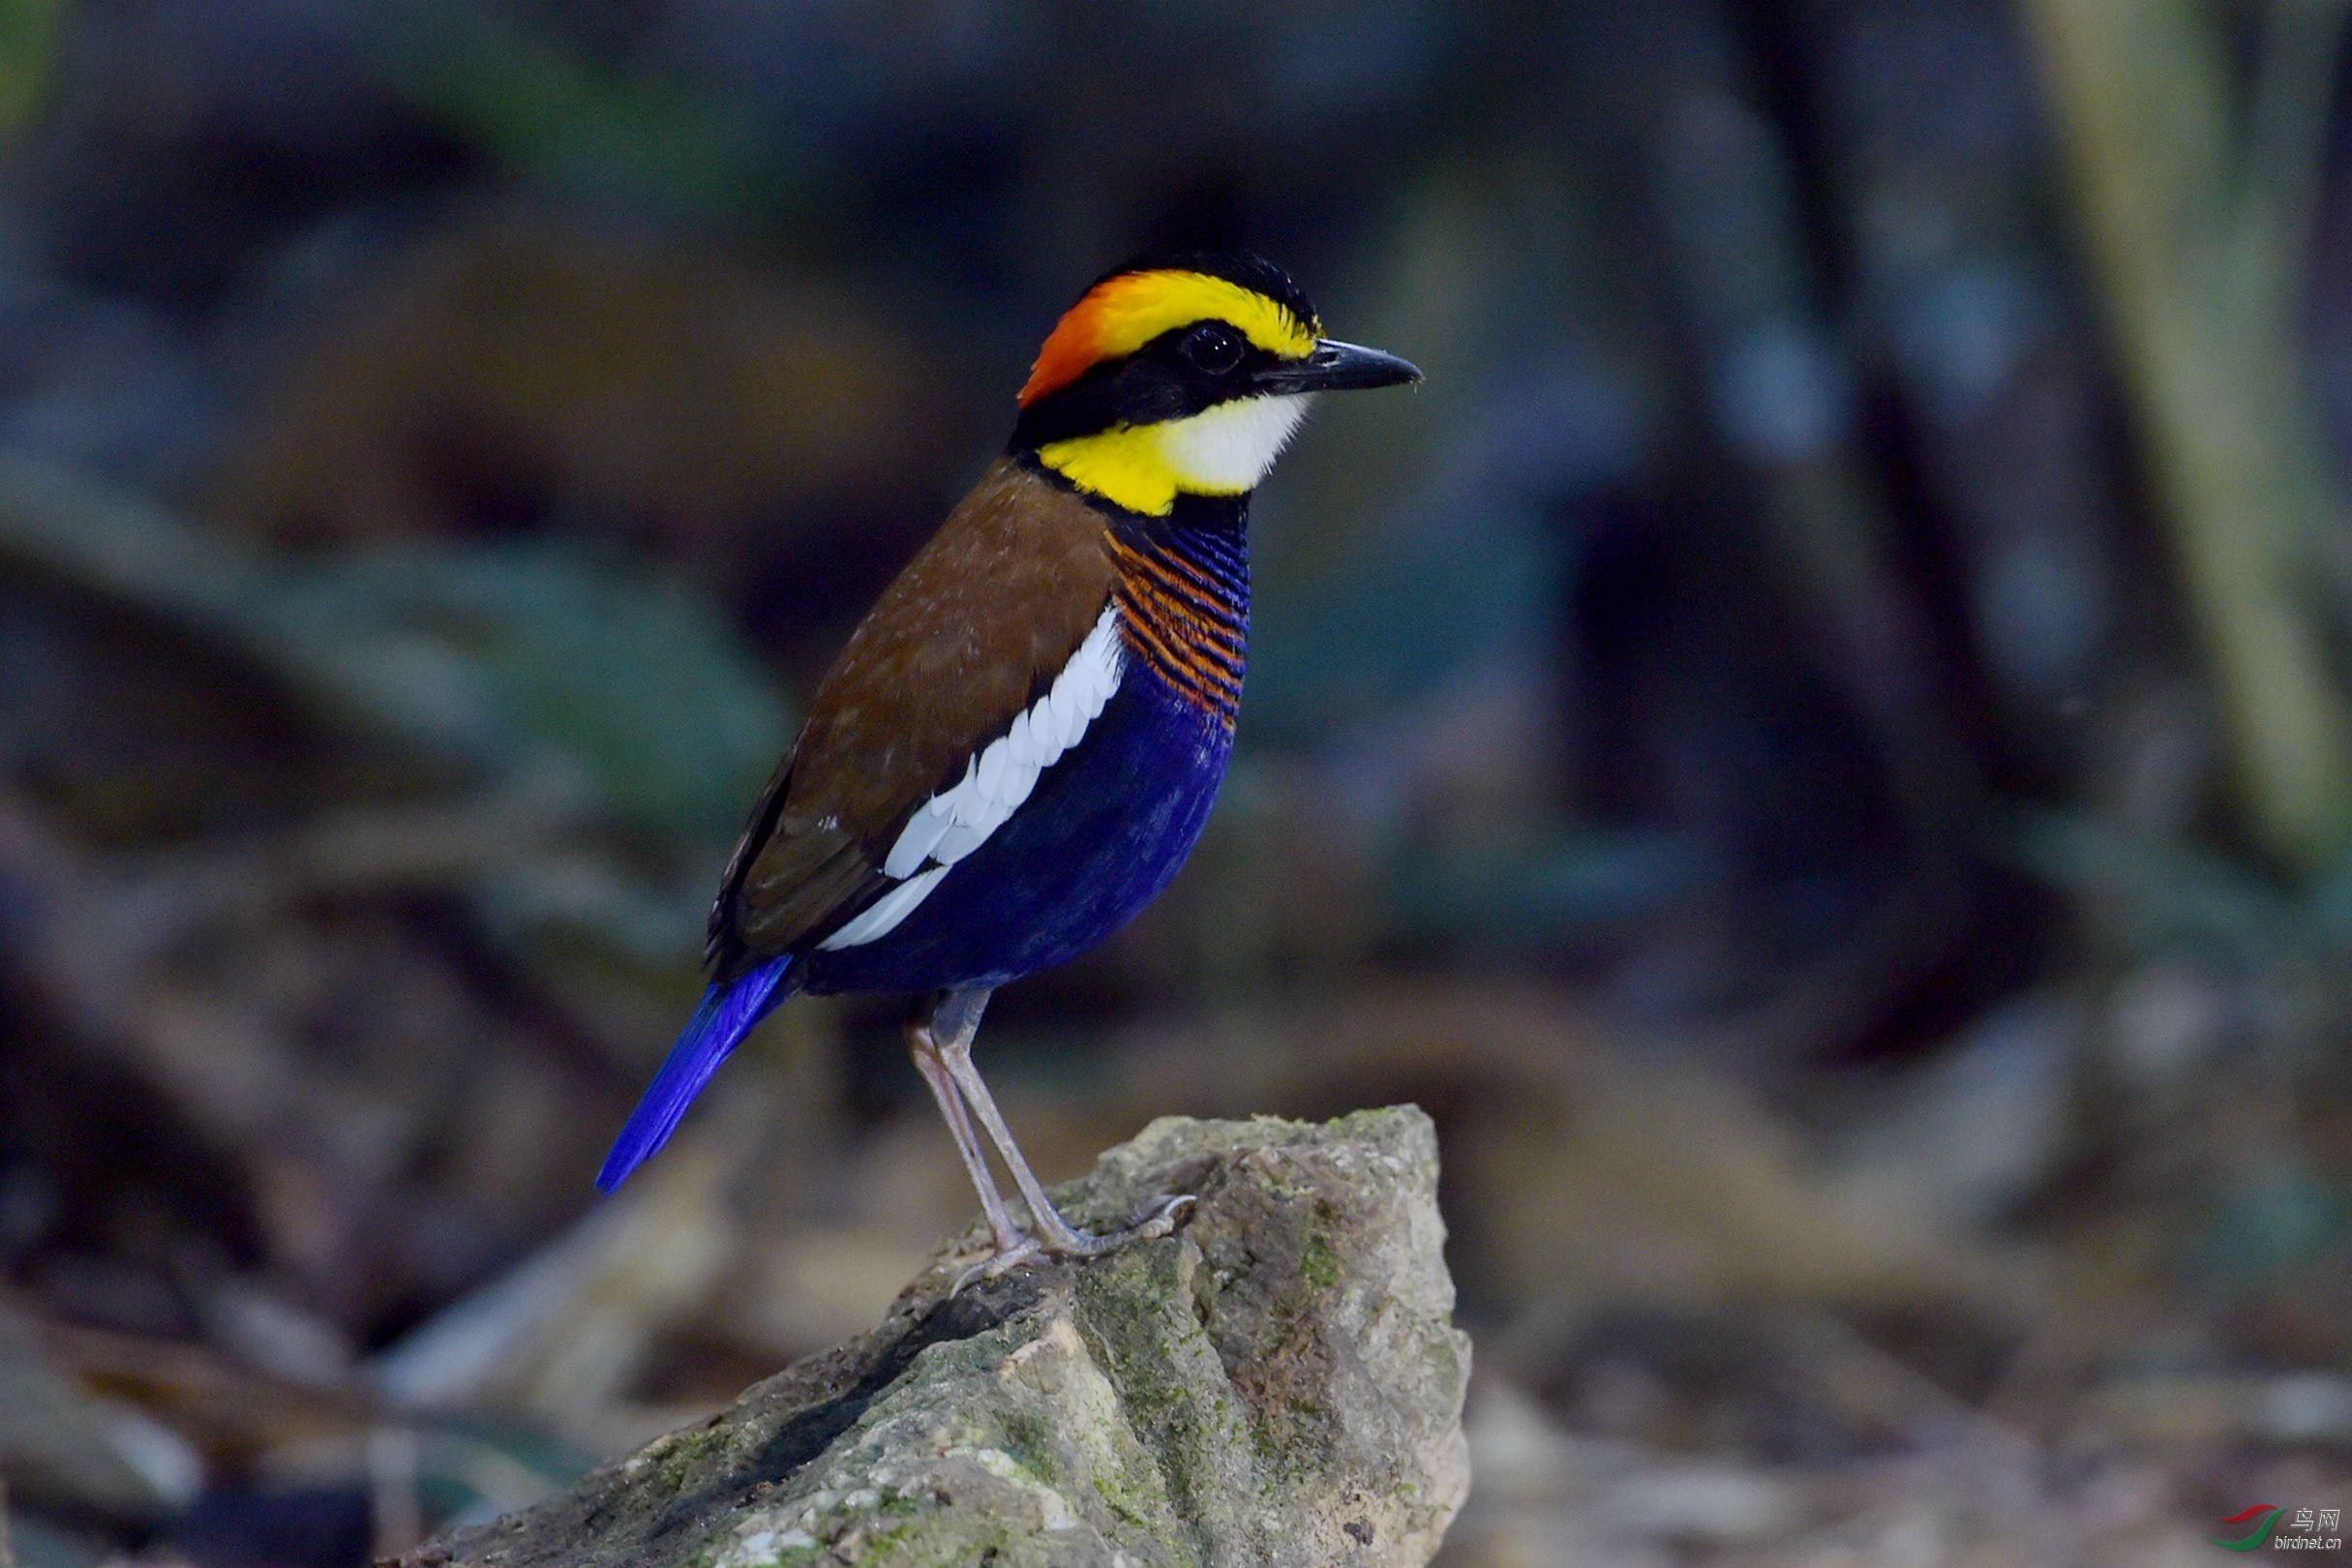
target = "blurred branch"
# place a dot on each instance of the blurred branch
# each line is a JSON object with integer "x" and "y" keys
{"x": 55, "y": 1442}
{"x": 2199, "y": 301}
{"x": 194, "y": 1055}
{"x": 563, "y": 1334}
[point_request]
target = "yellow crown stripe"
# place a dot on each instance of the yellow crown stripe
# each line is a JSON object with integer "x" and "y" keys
{"x": 1121, "y": 315}
{"x": 1139, "y": 307}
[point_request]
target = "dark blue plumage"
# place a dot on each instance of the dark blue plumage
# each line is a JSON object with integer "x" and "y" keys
{"x": 1105, "y": 830}
{"x": 728, "y": 1012}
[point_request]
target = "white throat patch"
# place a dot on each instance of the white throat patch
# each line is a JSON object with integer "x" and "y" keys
{"x": 1228, "y": 449}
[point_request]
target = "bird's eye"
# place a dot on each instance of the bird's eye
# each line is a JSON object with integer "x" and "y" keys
{"x": 1213, "y": 346}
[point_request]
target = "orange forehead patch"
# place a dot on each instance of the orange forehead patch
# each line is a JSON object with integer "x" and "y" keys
{"x": 1121, "y": 315}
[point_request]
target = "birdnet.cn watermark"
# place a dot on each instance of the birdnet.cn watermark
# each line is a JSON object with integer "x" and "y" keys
{"x": 2302, "y": 1529}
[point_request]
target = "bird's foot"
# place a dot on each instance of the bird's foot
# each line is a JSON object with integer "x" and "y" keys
{"x": 1057, "y": 1237}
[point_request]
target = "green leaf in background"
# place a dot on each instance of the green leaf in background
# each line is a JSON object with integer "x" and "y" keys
{"x": 502, "y": 658}
{"x": 2278, "y": 1220}
{"x": 2162, "y": 890}
{"x": 2328, "y": 902}
{"x": 549, "y": 110}
{"x": 640, "y": 687}
{"x": 29, "y": 31}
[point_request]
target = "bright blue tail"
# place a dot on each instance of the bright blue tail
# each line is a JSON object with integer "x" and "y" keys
{"x": 726, "y": 1015}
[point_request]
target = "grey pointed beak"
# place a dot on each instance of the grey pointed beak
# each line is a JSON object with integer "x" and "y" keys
{"x": 1339, "y": 367}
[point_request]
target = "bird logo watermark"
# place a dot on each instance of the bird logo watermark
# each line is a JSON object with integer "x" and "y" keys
{"x": 2310, "y": 1529}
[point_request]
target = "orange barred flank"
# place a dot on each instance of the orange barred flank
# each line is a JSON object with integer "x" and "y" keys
{"x": 1185, "y": 626}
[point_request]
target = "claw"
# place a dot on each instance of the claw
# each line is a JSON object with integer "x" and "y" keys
{"x": 1174, "y": 1209}
{"x": 1163, "y": 1220}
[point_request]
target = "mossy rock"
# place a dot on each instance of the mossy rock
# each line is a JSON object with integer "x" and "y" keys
{"x": 1279, "y": 1382}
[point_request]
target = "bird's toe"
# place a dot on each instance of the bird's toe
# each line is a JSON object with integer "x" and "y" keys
{"x": 1057, "y": 1237}
{"x": 999, "y": 1263}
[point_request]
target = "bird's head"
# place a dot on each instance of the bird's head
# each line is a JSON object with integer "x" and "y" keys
{"x": 1183, "y": 376}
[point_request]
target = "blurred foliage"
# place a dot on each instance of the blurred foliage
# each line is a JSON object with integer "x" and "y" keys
{"x": 2165, "y": 891}
{"x": 644, "y": 692}
{"x": 29, "y": 34}
{"x": 513, "y": 657}
{"x": 547, "y": 111}
{"x": 1503, "y": 894}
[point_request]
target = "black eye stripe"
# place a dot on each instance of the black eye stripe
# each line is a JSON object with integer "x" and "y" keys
{"x": 1159, "y": 381}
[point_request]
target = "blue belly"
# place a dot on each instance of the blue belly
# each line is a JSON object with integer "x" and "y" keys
{"x": 1105, "y": 829}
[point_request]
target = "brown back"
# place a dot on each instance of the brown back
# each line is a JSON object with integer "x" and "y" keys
{"x": 971, "y": 633}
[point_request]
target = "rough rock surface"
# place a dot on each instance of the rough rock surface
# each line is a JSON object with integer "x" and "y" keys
{"x": 1279, "y": 1382}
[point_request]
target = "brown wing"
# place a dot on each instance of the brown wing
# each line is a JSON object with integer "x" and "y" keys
{"x": 979, "y": 623}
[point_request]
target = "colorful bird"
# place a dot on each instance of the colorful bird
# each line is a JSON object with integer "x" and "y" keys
{"x": 1021, "y": 742}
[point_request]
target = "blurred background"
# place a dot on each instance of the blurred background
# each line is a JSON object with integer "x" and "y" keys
{"x": 1819, "y": 744}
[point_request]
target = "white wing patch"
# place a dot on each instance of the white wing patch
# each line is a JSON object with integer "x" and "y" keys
{"x": 884, "y": 914}
{"x": 958, "y": 819}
